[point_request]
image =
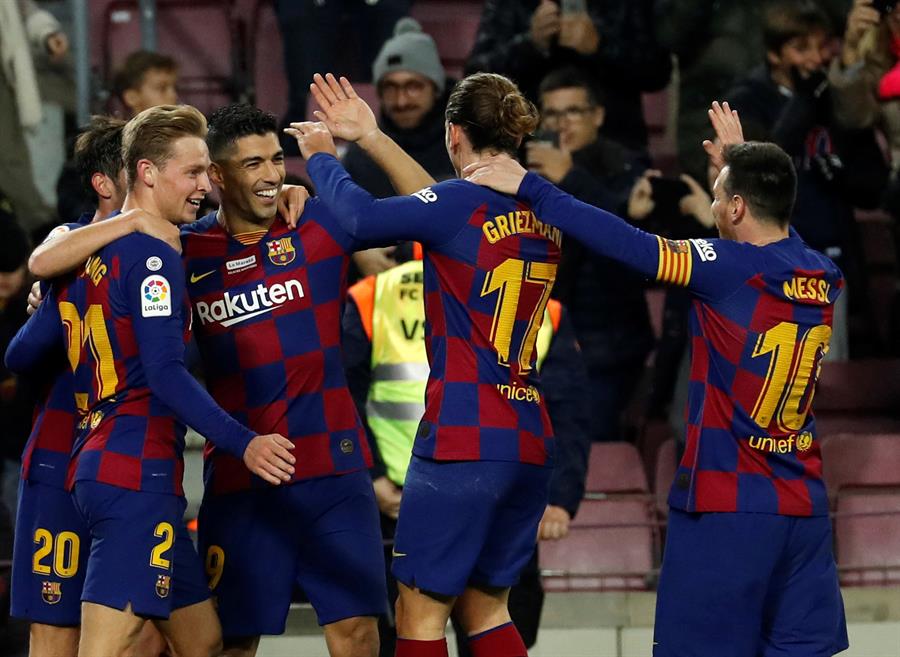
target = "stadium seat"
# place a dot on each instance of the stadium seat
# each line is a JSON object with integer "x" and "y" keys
{"x": 453, "y": 26}
{"x": 210, "y": 68}
{"x": 854, "y": 460}
{"x": 867, "y": 537}
{"x": 270, "y": 87}
{"x": 611, "y": 546}
{"x": 861, "y": 387}
{"x": 615, "y": 468}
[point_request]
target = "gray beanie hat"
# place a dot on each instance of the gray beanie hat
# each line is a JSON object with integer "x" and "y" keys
{"x": 410, "y": 49}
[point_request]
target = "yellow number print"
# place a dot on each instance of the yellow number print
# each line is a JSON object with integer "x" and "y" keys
{"x": 65, "y": 549}
{"x": 507, "y": 279}
{"x": 215, "y": 564}
{"x": 44, "y": 540}
{"x": 91, "y": 331}
{"x": 163, "y": 530}
{"x": 790, "y": 377}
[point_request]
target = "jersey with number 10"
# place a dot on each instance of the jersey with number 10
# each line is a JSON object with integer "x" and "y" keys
{"x": 760, "y": 325}
{"x": 489, "y": 266}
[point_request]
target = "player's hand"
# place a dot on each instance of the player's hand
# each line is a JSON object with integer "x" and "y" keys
{"x": 57, "y": 46}
{"x": 154, "y": 226}
{"x": 544, "y": 24}
{"x": 640, "y": 201}
{"x": 388, "y": 495}
{"x": 499, "y": 172}
{"x": 577, "y": 31}
{"x": 312, "y": 137}
{"x": 697, "y": 204}
{"x": 727, "y": 124}
{"x": 34, "y": 298}
{"x": 291, "y": 202}
{"x": 374, "y": 261}
{"x": 270, "y": 457}
{"x": 554, "y": 524}
{"x": 346, "y": 114}
{"x": 547, "y": 160}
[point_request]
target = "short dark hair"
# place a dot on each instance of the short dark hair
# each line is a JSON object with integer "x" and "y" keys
{"x": 569, "y": 77}
{"x": 131, "y": 74}
{"x": 784, "y": 20}
{"x": 230, "y": 123}
{"x": 764, "y": 176}
{"x": 98, "y": 149}
{"x": 492, "y": 112}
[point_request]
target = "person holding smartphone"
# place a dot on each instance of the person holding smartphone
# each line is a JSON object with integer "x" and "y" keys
{"x": 613, "y": 42}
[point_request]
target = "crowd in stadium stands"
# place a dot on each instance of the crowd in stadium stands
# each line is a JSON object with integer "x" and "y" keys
{"x": 623, "y": 90}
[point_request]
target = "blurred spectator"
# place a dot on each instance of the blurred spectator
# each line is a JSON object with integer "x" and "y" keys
{"x": 612, "y": 41}
{"x": 788, "y": 100}
{"x": 146, "y": 79}
{"x": 412, "y": 90}
{"x": 716, "y": 43}
{"x": 866, "y": 80}
{"x": 29, "y": 37}
{"x": 311, "y": 37}
{"x": 606, "y": 303}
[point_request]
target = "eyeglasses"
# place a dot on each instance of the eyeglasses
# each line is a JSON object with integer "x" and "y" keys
{"x": 410, "y": 88}
{"x": 552, "y": 118}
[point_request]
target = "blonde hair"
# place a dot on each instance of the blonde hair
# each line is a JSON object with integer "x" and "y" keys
{"x": 151, "y": 134}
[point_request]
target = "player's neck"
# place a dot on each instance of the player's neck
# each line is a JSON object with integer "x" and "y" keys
{"x": 235, "y": 223}
{"x": 762, "y": 234}
{"x": 142, "y": 199}
{"x": 104, "y": 209}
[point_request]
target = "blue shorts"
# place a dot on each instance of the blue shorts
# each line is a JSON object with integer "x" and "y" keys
{"x": 141, "y": 553}
{"x": 320, "y": 534}
{"x": 748, "y": 585}
{"x": 467, "y": 522}
{"x": 49, "y": 556}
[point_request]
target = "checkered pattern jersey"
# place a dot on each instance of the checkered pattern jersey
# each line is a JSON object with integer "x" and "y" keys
{"x": 45, "y": 458}
{"x": 760, "y": 325}
{"x": 127, "y": 436}
{"x": 485, "y": 294}
{"x": 267, "y": 322}
{"x": 489, "y": 267}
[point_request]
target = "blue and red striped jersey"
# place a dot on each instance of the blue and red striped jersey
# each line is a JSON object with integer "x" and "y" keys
{"x": 123, "y": 319}
{"x": 760, "y": 325}
{"x": 490, "y": 264}
{"x": 267, "y": 319}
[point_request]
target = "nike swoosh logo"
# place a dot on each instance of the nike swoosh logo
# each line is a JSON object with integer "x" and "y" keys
{"x": 195, "y": 277}
{"x": 394, "y": 553}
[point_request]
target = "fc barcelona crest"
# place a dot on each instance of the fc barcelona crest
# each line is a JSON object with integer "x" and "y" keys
{"x": 163, "y": 585}
{"x": 281, "y": 252}
{"x": 51, "y": 592}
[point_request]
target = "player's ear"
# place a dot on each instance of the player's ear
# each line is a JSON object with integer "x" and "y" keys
{"x": 130, "y": 98}
{"x": 215, "y": 174}
{"x": 102, "y": 185}
{"x": 146, "y": 171}
{"x": 737, "y": 208}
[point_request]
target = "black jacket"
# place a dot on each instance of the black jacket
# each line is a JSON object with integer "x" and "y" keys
{"x": 629, "y": 60}
{"x": 605, "y": 300}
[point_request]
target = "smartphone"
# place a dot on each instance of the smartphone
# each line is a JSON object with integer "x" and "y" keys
{"x": 667, "y": 192}
{"x": 573, "y": 6}
{"x": 884, "y": 7}
{"x": 549, "y": 137}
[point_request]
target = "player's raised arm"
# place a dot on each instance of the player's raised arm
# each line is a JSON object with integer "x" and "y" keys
{"x": 349, "y": 117}
{"x": 36, "y": 338}
{"x": 154, "y": 297}
{"x": 69, "y": 250}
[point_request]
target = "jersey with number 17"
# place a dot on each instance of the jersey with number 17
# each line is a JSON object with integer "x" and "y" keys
{"x": 489, "y": 267}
